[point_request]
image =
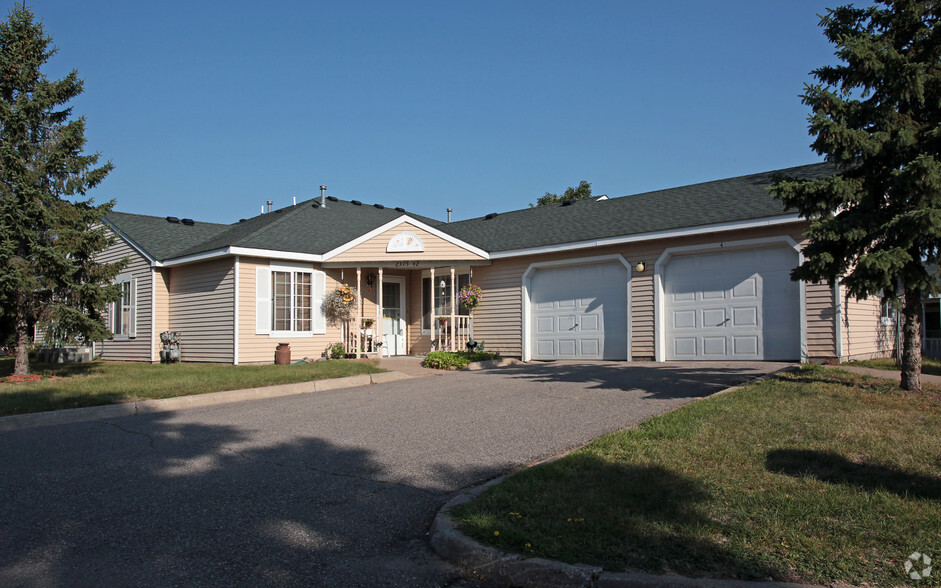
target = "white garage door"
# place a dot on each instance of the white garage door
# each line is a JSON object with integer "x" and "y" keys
{"x": 579, "y": 312}
{"x": 732, "y": 305}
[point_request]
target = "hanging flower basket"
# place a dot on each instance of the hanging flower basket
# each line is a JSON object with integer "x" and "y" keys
{"x": 471, "y": 296}
{"x": 340, "y": 304}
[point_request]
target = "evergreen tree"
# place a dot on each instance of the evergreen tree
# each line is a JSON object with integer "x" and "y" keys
{"x": 877, "y": 117}
{"x": 48, "y": 243}
{"x": 582, "y": 191}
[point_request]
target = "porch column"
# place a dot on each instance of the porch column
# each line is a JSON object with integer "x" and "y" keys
{"x": 377, "y": 332}
{"x": 470, "y": 319}
{"x": 453, "y": 317}
{"x": 358, "y": 325}
{"x": 433, "y": 324}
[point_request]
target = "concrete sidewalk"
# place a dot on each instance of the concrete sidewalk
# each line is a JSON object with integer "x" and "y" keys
{"x": 886, "y": 374}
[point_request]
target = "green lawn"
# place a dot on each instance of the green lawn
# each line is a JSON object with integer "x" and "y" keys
{"x": 102, "y": 382}
{"x": 928, "y": 365}
{"x": 818, "y": 476}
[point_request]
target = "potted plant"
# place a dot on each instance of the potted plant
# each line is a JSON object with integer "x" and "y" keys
{"x": 471, "y": 296}
{"x": 340, "y": 303}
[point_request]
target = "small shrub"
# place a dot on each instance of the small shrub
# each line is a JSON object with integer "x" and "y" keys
{"x": 443, "y": 360}
{"x": 336, "y": 351}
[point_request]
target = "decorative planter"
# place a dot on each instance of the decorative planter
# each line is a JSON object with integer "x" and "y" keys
{"x": 282, "y": 355}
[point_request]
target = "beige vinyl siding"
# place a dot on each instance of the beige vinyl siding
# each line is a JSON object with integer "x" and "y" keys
{"x": 436, "y": 248}
{"x": 864, "y": 335}
{"x": 498, "y": 321}
{"x": 202, "y": 310}
{"x": 260, "y": 348}
{"x": 161, "y": 306}
{"x": 821, "y": 325}
{"x": 138, "y": 348}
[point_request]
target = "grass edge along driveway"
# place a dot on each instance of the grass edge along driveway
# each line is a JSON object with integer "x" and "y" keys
{"x": 814, "y": 476}
{"x": 97, "y": 383}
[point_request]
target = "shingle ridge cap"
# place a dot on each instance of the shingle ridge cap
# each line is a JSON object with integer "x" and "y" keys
{"x": 290, "y": 211}
{"x": 162, "y": 218}
{"x": 724, "y": 180}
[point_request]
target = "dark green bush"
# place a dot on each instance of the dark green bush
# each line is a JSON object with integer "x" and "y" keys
{"x": 443, "y": 360}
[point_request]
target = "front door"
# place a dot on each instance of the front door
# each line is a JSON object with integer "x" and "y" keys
{"x": 393, "y": 316}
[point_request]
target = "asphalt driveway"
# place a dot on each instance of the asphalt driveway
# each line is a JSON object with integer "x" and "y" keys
{"x": 333, "y": 488}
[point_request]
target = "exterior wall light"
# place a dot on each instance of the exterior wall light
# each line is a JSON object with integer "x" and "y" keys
{"x": 641, "y": 266}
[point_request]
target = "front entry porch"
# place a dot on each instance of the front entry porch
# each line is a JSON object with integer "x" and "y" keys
{"x": 403, "y": 311}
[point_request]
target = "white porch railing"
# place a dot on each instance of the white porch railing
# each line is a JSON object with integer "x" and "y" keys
{"x": 452, "y": 333}
{"x": 367, "y": 340}
{"x": 931, "y": 348}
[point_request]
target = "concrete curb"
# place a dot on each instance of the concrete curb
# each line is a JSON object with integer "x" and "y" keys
{"x": 512, "y": 569}
{"x": 109, "y": 411}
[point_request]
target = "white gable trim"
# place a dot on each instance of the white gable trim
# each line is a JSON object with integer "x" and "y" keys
{"x": 244, "y": 251}
{"x": 667, "y": 234}
{"x": 129, "y": 241}
{"x": 396, "y": 222}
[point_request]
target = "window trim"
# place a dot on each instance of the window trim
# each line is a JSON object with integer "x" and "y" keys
{"x": 265, "y": 300}
{"x": 116, "y": 316}
{"x": 888, "y": 314}
{"x": 292, "y": 270}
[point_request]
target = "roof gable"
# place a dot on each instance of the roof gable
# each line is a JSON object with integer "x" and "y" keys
{"x": 405, "y": 239}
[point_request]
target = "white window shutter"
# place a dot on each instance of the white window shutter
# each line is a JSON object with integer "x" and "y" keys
{"x": 132, "y": 323}
{"x": 262, "y": 301}
{"x": 319, "y": 324}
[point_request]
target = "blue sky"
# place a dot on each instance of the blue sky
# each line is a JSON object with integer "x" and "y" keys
{"x": 207, "y": 109}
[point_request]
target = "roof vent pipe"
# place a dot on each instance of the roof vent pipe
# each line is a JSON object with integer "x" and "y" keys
{"x": 449, "y": 215}
{"x": 270, "y": 203}
{"x": 323, "y": 194}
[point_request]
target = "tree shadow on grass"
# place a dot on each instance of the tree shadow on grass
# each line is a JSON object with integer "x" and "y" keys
{"x": 831, "y": 467}
{"x": 623, "y": 517}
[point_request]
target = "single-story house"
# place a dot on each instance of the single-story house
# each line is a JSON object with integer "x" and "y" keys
{"x": 697, "y": 272}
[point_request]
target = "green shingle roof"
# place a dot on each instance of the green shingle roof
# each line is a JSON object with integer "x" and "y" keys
{"x": 303, "y": 228}
{"x": 721, "y": 201}
{"x": 309, "y": 228}
{"x": 160, "y": 238}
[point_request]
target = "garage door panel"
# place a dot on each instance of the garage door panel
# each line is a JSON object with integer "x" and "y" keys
{"x": 713, "y": 317}
{"x": 747, "y": 307}
{"x": 684, "y": 319}
{"x": 714, "y": 347}
{"x": 590, "y": 323}
{"x": 567, "y": 347}
{"x": 684, "y": 296}
{"x": 545, "y": 325}
{"x": 745, "y": 317}
{"x": 545, "y": 347}
{"x": 713, "y": 294}
{"x": 684, "y": 347}
{"x": 745, "y": 345}
{"x": 590, "y": 347}
{"x": 567, "y": 323}
{"x": 746, "y": 288}
{"x": 587, "y": 308}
